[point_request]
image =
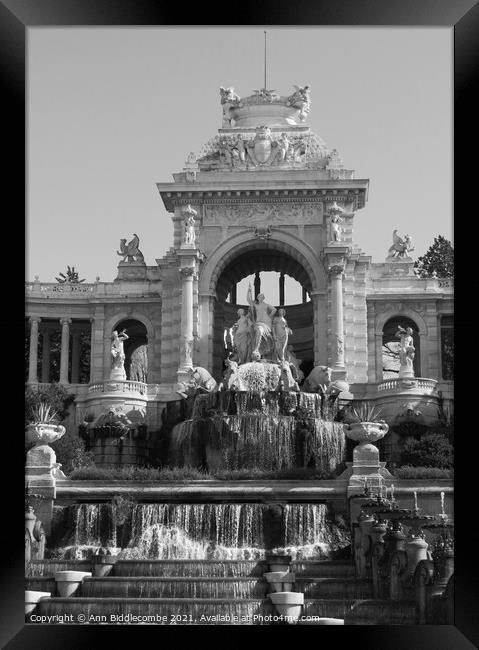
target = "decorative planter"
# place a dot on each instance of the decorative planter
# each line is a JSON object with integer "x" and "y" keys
{"x": 32, "y": 598}
{"x": 366, "y": 432}
{"x": 69, "y": 581}
{"x": 44, "y": 433}
{"x": 280, "y": 580}
{"x": 103, "y": 564}
{"x": 30, "y": 519}
{"x": 288, "y": 604}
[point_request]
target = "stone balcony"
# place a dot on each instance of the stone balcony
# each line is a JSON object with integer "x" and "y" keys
{"x": 395, "y": 386}
{"x": 118, "y": 387}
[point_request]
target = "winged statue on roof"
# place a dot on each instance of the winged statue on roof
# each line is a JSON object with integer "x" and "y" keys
{"x": 130, "y": 252}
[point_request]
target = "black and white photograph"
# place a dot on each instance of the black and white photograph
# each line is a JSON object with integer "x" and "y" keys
{"x": 239, "y": 325}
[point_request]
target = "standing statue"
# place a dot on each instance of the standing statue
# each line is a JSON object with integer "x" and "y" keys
{"x": 118, "y": 355}
{"x": 261, "y": 315}
{"x": 139, "y": 364}
{"x": 189, "y": 235}
{"x": 335, "y": 220}
{"x": 242, "y": 337}
{"x": 130, "y": 252}
{"x": 281, "y": 332}
{"x": 283, "y": 145}
{"x": 401, "y": 247}
{"x": 334, "y": 228}
{"x": 406, "y": 351}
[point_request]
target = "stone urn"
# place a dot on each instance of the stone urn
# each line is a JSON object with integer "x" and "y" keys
{"x": 103, "y": 564}
{"x": 288, "y": 604}
{"x": 32, "y": 598}
{"x": 30, "y": 519}
{"x": 69, "y": 581}
{"x": 366, "y": 454}
{"x": 44, "y": 433}
{"x": 366, "y": 432}
{"x": 280, "y": 580}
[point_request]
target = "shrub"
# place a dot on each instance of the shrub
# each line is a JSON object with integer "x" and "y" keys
{"x": 71, "y": 453}
{"x": 127, "y": 473}
{"x": 433, "y": 450}
{"x": 54, "y": 395}
{"x": 408, "y": 471}
{"x": 132, "y": 473}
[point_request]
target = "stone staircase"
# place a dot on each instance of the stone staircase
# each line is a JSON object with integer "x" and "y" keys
{"x": 204, "y": 592}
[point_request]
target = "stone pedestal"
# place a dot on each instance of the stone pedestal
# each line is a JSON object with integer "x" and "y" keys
{"x": 40, "y": 483}
{"x": 131, "y": 271}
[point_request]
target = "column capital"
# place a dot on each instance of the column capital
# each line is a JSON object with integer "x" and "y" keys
{"x": 34, "y": 319}
{"x": 335, "y": 270}
{"x": 187, "y": 272}
{"x": 65, "y": 320}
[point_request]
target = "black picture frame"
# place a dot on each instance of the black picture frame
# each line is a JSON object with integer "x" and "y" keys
{"x": 16, "y": 17}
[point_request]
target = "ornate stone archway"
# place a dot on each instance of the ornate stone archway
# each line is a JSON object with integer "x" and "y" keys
{"x": 280, "y": 242}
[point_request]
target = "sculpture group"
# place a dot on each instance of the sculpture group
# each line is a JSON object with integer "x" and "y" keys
{"x": 261, "y": 358}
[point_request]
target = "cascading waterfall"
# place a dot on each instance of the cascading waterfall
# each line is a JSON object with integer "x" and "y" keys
{"x": 258, "y": 429}
{"x": 245, "y": 531}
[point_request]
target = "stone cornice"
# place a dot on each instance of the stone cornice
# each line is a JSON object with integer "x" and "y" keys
{"x": 344, "y": 191}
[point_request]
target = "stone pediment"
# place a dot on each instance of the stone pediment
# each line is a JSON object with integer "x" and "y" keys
{"x": 262, "y": 213}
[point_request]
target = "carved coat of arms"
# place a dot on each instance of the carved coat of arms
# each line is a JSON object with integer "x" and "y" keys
{"x": 261, "y": 146}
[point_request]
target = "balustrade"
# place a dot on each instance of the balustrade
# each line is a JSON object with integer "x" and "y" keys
{"x": 119, "y": 386}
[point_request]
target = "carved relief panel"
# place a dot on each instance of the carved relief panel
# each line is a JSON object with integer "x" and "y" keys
{"x": 251, "y": 214}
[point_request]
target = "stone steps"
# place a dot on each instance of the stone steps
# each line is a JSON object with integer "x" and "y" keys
{"x": 204, "y": 587}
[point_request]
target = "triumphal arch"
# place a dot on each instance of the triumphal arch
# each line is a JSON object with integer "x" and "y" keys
{"x": 265, "y": 195}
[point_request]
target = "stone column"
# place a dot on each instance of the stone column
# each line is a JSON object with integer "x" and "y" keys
{"x": 337, "y": 353}
{"x": 378, "y": 345}
{"x": 281, "y": 288}
{"x": 75, "y": 357}
{"x": 46, "y": 355}
{"x": 305, "y": 295}
{"x": 33, "y": 357}
{"x": 64, "y": 350}
{"x": 98, "y": 370}
{"x": 257, "y": 284}
{"x": 186, "y": 329}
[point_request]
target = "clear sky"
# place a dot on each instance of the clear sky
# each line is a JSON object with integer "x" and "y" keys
{"x": 112, "y": 111}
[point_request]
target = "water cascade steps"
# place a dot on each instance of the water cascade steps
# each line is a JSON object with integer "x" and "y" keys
{"x": 202, "y": 592}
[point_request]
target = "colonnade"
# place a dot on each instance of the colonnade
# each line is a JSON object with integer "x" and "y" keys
{"x": 69, "y": 329}
{"x": 257, "y": 289}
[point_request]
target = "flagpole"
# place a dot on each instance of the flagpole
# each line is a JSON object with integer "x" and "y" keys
{"x": 265, "y": 61}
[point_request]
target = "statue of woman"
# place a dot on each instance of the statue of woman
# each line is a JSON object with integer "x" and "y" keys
{"x": 189, "y": 233}
{"x": 117, "y": 352}
{"x": 262, "y": 315}
{"x": 242, "y": 337}
{"x": 406, "y": 350}
{"x": 281, "y": 332}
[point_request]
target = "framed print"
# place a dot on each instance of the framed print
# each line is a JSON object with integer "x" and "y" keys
{"x": 239, "y": 321}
